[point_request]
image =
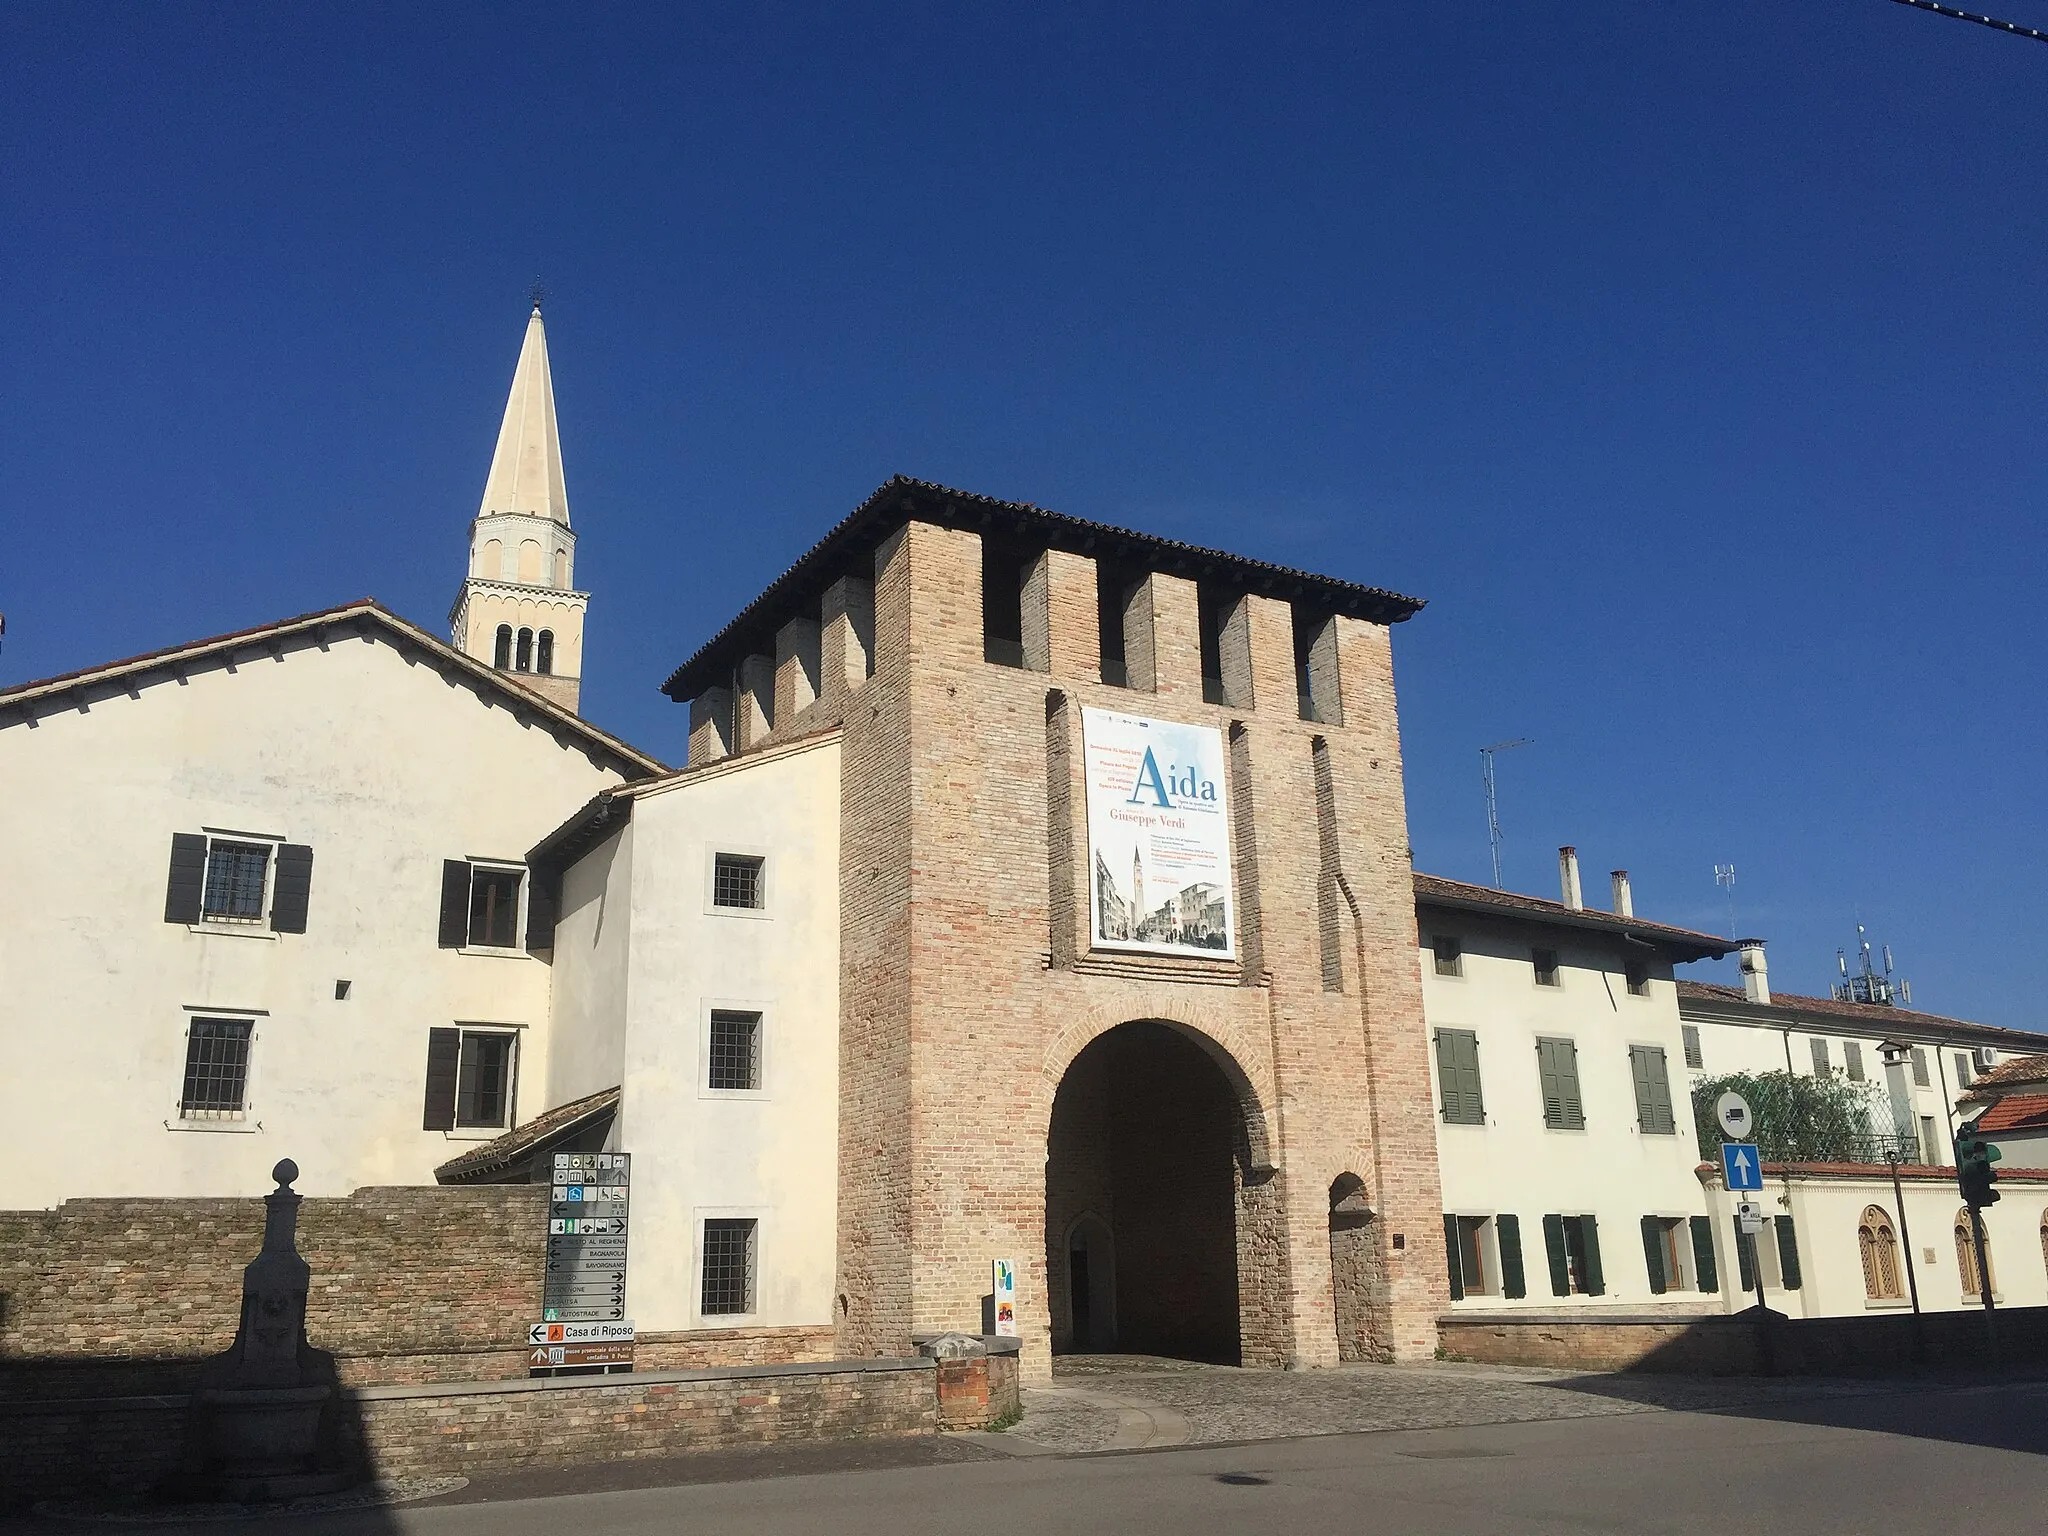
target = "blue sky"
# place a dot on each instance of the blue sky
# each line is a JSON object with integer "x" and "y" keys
{"x": 1689, "y": 358}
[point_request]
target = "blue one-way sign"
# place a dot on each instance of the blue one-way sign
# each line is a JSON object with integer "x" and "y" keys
{"x": 1741, "y": 1168}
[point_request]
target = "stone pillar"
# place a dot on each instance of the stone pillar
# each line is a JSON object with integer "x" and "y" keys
{"x": 1325, "y": 697}
{"x": 1062, "y": 632}
{"x": 847, "y": 644}
{"x": 754, "y": 706}
{"x": 797, "y": 661}
{"x": 710, "y": 726}
{"x": 1163, "y": 637}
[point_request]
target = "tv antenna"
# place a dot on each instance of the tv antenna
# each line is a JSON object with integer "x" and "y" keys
{"x": 1724, "y": 877}
{"x": 1493, "y": 801}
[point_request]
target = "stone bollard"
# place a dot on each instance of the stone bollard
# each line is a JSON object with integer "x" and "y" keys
{"x": 965, "y": 1373}
{"x": 259, "y": 1404}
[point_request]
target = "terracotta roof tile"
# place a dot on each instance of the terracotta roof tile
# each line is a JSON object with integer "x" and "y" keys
{"x": 2016, "y": 1112}
{"x": 562, "y": 1120}
{"x": 1435, "y": 888}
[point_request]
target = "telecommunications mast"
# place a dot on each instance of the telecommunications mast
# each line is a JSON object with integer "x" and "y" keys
{"x": 1492, "y": 803}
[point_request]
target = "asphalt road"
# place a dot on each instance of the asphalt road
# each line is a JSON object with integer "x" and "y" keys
{"x": 1938, "y": 1459}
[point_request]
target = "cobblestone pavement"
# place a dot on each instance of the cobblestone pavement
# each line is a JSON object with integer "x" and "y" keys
{"x": 1112, "y": 1402}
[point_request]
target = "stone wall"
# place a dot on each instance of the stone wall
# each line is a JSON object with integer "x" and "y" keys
{"x": 481, "y": 1428}
{"x": 1879, "y": 1344}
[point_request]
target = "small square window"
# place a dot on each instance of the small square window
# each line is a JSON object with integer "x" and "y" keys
{"x": 494, "y": 907}
{"x": 736, "y": 881}
{"x": 483, "y": 1084}
{"x": 1450, "y": 955}
{"x": 728, "y": 1266}
{"x": 735, "y": 1053}
{"x": 234, "y": 880}
{"x": 216, "y": 1068}
{"x": 1545, "y": 961}
{"x": 1638, "y": 972}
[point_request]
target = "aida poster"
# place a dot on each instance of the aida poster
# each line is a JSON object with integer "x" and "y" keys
{"x": 1158, "y": 836}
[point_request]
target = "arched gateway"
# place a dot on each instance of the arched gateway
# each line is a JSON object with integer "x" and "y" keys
{"x": 1147, "y": 1161}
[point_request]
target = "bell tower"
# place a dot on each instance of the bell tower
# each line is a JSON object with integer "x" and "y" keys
{"x": 519, "y": 610}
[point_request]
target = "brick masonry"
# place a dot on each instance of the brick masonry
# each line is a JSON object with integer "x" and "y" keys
{"x": 409, "y": 1285}
{"x": 131, "y": 1444}
{"x": 967, "y": 987}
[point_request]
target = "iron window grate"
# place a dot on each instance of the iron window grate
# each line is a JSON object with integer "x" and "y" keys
{"x": 728, "y": 1266}
{"x": 735, "y": 1050}
{"x": 234, "y": 880}
{"x": 736, "y": 881}
{"x": 216, "y": 1068}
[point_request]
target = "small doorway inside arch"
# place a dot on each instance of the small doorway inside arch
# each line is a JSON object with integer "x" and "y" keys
{"x": 1091, "y": 1286}
{"x": 1358, "y": 1273}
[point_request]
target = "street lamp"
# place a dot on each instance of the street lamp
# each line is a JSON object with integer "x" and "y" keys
{"x": 1896, "y": 1056}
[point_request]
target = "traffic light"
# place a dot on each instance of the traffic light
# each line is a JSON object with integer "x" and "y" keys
{"x": 1974, "y": 1157}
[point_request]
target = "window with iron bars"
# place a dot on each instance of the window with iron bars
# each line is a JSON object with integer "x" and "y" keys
{"x": 728, "y": 1266}
{"x": 735, "y": 1053}
{"x": 736, "y": 881}
{"x": 216, "y": 1068}
{"x": 234, "y": 880}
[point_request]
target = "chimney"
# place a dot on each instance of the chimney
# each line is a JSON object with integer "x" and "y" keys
{"x": 1568, "y": 876}
{"x": 1624, "y": 903}
{"x": 1756, "y": 975}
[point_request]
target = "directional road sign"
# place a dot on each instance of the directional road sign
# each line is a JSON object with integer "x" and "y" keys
{"x": 1741, "y": 1168}
{"x": 580, "y": 1333}
{"x": 587, "y": 1228}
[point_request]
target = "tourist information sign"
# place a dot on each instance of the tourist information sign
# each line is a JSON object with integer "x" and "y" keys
{"x": 587, "y": 1215}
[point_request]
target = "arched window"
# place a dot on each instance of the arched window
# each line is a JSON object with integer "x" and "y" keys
{"x": 562, "y": 568}
{"x": 491, "y": 563}
{"x": 544, "y": 656}
{"x": 501, "y": 657}
{"x": 524, "y": 663}
{"x": 1880, "y": 1249}
{"x": 1966, "y": 1257}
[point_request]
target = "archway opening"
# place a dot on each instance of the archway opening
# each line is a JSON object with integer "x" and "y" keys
{"x": 1141, "y": 1199}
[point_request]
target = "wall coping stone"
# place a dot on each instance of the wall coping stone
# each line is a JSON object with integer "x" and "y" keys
{"x": 1602, "y": 1319}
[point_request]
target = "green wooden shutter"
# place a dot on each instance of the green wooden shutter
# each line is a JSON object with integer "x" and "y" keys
{"x": 1548, "y": 1059}
{"x": 1653, "y": 1254}
{"x": 1508, "y": 1231}
{"x": 454, "y": 903}
{"x": 1660, "y": 1082}
{"x": 1447, "y": 1074}
{"x": 1745, "y": 1257}
{"x": 1572, "y": 1112}
{"x": 1553, "y": 1245}
{"x": 1457, "y": 1072}
{"x": 186, "y": 891}
{"x": 1589, "y": 1233}
{"x": 293, "y": 889}
{"x": 1703, "y": 1254}
{"x": 1639, "y": 1073}
{"x": 1788, "y": 1252}
{"x": 444, "y": 1063}
{"x": 1451, "y": 1254}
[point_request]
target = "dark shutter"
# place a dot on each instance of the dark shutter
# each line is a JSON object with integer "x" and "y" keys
{"x": 1451, "y": 1252}
{"x": 187, "y": 888}
{"x": 1660, "y": 1093}
{"x": 1508, "y": 1229}
{"x": 541, "y": 886}
{"x": 1560, "y": 1267}
{"x": 454, "y": 903}
{"x": 1589, "y": 1234}
{"x": 1745, "y": 1257}
{"x": 1457, "y": 1074}
{"x": 293, "y": 890}
{"x": 444, "y": 1061}
{"x": 1653, "y": 1254}
{"x": 1557, "y": 1066}
{"x": 1703, "y": 1254}
{"x": 1653, "y": 1090}
{"x": 1788, "y": 1252}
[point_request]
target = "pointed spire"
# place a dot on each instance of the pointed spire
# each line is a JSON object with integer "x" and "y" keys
{"x": 526, "y": 471}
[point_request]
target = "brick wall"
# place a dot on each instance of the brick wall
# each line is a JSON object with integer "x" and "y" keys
{"x": 132, "y": 1444}
{"x": 110, "y": 1297}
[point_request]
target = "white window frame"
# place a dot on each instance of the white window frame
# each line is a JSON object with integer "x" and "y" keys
{"x": 257, "y": 927}
{"x": 514, "y": 950}
{"x": 235, "y": 1123}
{"x": 761, "y": 1046}
{"x": 699, "y": 1215}
{"x": 743, "y": 851}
